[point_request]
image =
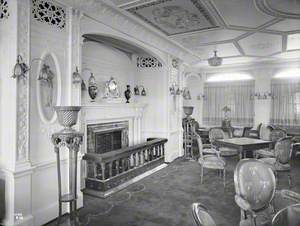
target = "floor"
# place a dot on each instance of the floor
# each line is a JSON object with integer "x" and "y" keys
{"x": 165, "y": 198}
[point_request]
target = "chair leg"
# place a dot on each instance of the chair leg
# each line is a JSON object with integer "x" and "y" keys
{"x": 290, "y": 180}
{"x": 224, "y": 177}
{"x": 201, "y": 174}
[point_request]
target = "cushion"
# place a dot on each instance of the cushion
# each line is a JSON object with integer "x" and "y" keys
{"x": 212, "y": 162}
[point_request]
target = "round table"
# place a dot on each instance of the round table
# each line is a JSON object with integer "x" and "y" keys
{"x": 289, "y": 216}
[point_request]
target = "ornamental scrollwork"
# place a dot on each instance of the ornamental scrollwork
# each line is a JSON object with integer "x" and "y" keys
{"x": 148, "y": 62}
{"x": 4, "y": 13}
{"x": 49, "y": 13}
{"x": 71, "y": 141}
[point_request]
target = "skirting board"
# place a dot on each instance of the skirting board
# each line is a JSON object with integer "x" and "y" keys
{"x": 122, "y": 186}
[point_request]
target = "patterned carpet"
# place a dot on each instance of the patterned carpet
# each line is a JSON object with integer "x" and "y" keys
{"x": 165, "y": 198}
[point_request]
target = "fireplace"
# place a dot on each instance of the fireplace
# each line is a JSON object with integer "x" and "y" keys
{"x": 106, "y": 137}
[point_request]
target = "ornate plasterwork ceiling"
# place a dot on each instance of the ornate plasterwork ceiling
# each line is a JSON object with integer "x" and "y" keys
{"x": 175, "y": 16}
{"x": 243, "y": 31}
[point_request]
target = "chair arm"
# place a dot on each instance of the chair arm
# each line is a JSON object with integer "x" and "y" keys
{"x": 252, "y": 133}
{"x": 245, "y": 206}
{"x": 291, "y": 195}
{"x": 242, "y": 203}
{"x": 205, "y": 146}
{"x": 214, "y": 150}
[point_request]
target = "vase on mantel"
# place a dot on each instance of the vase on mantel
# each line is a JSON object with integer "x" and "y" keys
{"x": 93, "y": 88}
{"x": 67, "y": 117}
{"x": 127, "y": 94}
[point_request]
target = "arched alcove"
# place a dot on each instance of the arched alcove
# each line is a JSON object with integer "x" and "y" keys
{"x": 193, "y": 81}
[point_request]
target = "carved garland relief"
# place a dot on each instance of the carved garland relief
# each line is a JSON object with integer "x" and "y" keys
{"x": 23, "y": 85}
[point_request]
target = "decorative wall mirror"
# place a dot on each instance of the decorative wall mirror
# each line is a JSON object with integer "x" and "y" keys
{"x": 48, "y": 87}
{"x": 111, "y": 89}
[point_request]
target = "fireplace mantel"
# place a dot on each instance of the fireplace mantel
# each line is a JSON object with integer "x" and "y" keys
{"x": 112, "y": 105}
{"x": 112, "y": 112}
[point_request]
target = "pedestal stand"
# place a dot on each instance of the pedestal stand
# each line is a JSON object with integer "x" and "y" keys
{"x": 71, "y": 140}
{"x": 188, "y": 127}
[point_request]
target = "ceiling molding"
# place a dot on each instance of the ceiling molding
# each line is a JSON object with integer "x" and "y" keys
{"x": 265, "y": 7}
{"x": 271, "y": 32}
{"x": 106, "y": 13}
{"x": 252, "y": 66}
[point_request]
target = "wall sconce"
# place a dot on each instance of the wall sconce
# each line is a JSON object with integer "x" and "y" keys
{"x": 186, "y": 94}
{"x": 77, "y": 79}
{"x": 201, "y": 97}
{"x": 137, "y": 90}
{"x": 262, "y": 96}
{"x": 20, "y": 68}
{"x": 174, "y": 90}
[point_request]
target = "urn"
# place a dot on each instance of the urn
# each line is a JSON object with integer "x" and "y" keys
{"x": 127, "y": 94}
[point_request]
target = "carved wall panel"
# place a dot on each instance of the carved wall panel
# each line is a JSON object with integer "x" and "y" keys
{"x": 49, "y": 13}
{"x": 48, "y": 87}
{"x": 23, "y": 86}
{"x": 148, "y": 62}
{"x": 4, "y": 11}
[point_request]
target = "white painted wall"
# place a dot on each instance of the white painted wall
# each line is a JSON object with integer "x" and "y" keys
{"x": 194, "y": 84}
{"x": 106, "y": 62}
{"x": 44, "y": 39}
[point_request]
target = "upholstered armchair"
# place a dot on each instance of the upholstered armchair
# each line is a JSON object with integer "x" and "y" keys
{"x": 201, "y": 215}
{"x": 253, "y": 133}
{"x": 282, "y": 155}
{"x": 275, "y": 135}
{"x": 210, "y": 161}
{"x": 256, "y": 194}
{"x": 218, "y": 133}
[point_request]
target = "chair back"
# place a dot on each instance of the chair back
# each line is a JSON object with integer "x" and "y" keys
{"x": 283, "y": 150}
{"x": 265, "y": 132}
{"x": 200, "y": 145}
{"x": 255, "y": 182}
{"x": 201, "y": 216}
{"x": 276, "y": 134}
{"x": 216, "y": 134}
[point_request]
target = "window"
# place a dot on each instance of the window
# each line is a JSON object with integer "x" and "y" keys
{"x": 229, "y": 77}
{"x": 285, "y": 107}
{"x": 236, "y": 95}
{"x": 297, "y": 104}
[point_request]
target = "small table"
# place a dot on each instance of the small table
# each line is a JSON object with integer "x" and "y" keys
{"x": 289, "y": 216}
{"x": 243, "y": 144}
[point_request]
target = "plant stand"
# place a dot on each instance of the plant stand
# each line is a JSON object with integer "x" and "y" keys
{"x": 71, "y": 140}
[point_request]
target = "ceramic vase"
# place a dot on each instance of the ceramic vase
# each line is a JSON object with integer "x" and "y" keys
{"x": 93, "y": 89}
{"x": 127, "y": 94}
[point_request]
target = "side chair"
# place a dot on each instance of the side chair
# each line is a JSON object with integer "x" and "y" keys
{"x": 255, "y": 188}
{"x": 212, "y": 160}
{"x": 201, "y": 215}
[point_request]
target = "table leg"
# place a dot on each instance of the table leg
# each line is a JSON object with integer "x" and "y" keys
{"x": 241, "y": 152}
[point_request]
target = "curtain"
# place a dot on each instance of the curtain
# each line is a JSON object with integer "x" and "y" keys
{"x": 285, "y": 107}
{"x": 236, "y": 96}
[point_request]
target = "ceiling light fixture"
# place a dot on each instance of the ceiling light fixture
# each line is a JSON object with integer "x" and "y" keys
{"x": 215, "y": 60}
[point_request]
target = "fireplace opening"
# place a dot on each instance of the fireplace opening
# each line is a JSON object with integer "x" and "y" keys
{"x": 108, "y": 141}
{"x": 106, "y": 137}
